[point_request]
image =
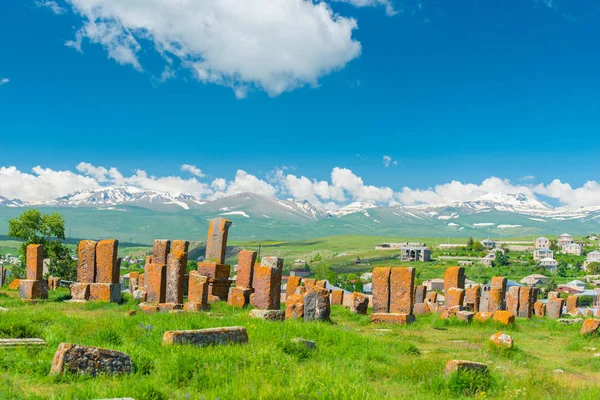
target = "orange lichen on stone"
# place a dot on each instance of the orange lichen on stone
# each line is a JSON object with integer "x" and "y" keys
{"x": 149, "y": 308}
{"x": 110, "y": 292}
{"x": 175, "y": 277}
{"x": 499, "y": 282}
{"x": 590, "y": 326}
{"x": 239, "y": 297}
{"x": 454, "y": 277}
{"x": 309, "y": 283}
{"x": 388, "y": 318}
{"x": 554, "y": 308}
{"x": 496, "y": 300}
{"x": 454, "y": 297}
{"x": 35, "y": 262}
{"x": 245, "y": 269}
{"x": 180, "y": 246}
{"x": 206, "y": 337}
{"x": 420, "y": 309}
{"x": 80, "y": 291}
{"x": 321, "y": 284}
{"x": 483, "y": 316}
{"x": 402, "y": 281}
{"x": 337, "y": 297}
{"x": 539, "y": 309}
{"x": 526, "y": 300}
{"x": 155, "y": 275}
{"x": 267, "y": 288}
{"x": 571, "y": 303}
{"x": 292, "y": 284}
{"x": 504, "y": 317}
{"x": 33, "y": 289}
{"x": 359, "y": 304}
{"x": 216, "y": 243}
{"x": 381, "y": 289}
{"x": 86, "y": 261}
{"x": 472, "y": 296}
{"x": 106, "y": 261}
{"x": 294, "y": 306}
{"x": 512, "y": 299}
{"x": 14, "y": 285}
{"x": 198, "y": 288}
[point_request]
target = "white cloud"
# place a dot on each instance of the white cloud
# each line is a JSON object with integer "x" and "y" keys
{"x": 528, "y": 178}
{"x": 52, "y": 5}
{"x": 387, "y": 161}
{"x": 275, "y": 46}
{"x": 389, "y": 8}
{"x": 192, "y": 169}
{"x": 245, "y": 182}
{"x": 99, "y": 173}
{"x": 586, "y": 195}
{"x": 4, "y": 81}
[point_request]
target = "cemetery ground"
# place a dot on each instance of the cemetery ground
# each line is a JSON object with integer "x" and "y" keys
{"x": 353, "y": 358}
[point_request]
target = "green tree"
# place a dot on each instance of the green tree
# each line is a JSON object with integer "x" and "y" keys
{"x": 33, "y": 227}
{"x": 501, "y": 260}
{"x": 477, "y": 246}
{"x": 593, "y": 268}
{"x": 470, "y": 243}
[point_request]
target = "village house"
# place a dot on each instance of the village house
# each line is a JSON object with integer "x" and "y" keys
{"x": 541, "y": 243}
{"x": 535, "y": 280}
{"x": 488, "y": 260}
{"x": 465, "y": 263}
{"x": 564, "y": 240}
{"x": 540, "y": 254}
{"x": 594, "y": 256}
{"x": 577, "y": 284}
{"x": 434, "y": 284}
{"x": 301, "y": 272}
{"x": 573, "y": 249}
{"x": 568, "y": 289}
{"x": 490, "y": 244}
{"x": 416, "y": 253}
{"x": 549, "y": 263}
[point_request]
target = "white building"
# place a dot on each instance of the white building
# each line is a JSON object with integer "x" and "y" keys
{"x": 540, "y": 254}
{"x": 594, "y": 256}
{"x": 572, "y": 248}
{"x": 535, "y": 280}
{"x": 490, "y": 244}
{"x": 550, "y": 263}
{"x": 577, "y": 284}
{"x": 541, "y": 243}
{"x": 564, "y": 239}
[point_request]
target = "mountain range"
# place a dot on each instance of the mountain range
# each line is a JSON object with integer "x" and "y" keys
{"x": 132, "y": 214}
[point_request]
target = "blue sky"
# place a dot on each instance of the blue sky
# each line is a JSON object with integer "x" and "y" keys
{"x": 450, "y": 90}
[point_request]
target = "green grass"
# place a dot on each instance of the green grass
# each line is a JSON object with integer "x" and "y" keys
{"x": 353, "y": 359}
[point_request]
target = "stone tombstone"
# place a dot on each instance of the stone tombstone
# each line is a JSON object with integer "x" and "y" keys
{"x": 499, "y": 282}
{"x": 239, "y": 297}
{"x": 35, "y": 262}
{"x": 309, "y": 283}
{"x": 571, "y": 303}
{"x": 401, "y": 289}
{"x": 316, "y": 305}
{"x": 106, "y": 261}
{"x": 198, "y": 288}
{"x": 245, "y": 269}
{"x": 454, "y": 277}
{"x": 539, "y": 309}
{"x": 484, "y": 301}
{"x": 267, "y": 286}
{"x": 554, "y": 308}
{"x": 160, "y": 251}
{"x": 337, "y": 297}
{"x": 180, "y": 246}
{"x": 86, "y": 261}
{"x": 381, "y": 289}
{"x": 472, "y": 298}
{"x": 175, "y": 276}
{"x": 552, "y": 295}
{"x": 526, "y": 300}
{"x": 455, "y": 297}
{"x": 93, "y": 361}
{"x": 360, "y": 303}
{"x": 294, "y": 306}
{"x": 420, "y": 294}
{"x": 206, "y": 337}
{"x": 321, "y": 284}
{"x": 216, "y": 243}
{"x": 155, "y": 276}
{"x": 292, "y": 284}
{"x": 513, "y": 298}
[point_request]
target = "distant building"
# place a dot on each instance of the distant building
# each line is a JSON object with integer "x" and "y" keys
{"x": 488, "y": 260}
{"x": 541, "y": 243}
{"x": 577, "y": 284}
{"x": 564, "y": 239}
{"x": 540, "y": 254}
{"x": 420, "y": 253}
{"x": 568, "y": 289}
{"x": 465, "y": 263}
{"x": 550, "y": 263}
{"x": 594, "y": 256}
{"x": 573, "y": 249}
{"x": 367, "y": 276}
{"x": 535, "y": 280}
{"x": 434, "y": 284}
{"x": 299, "y": 263}
{"x": 301, "y": 272}
{"x": 490, "y": 244}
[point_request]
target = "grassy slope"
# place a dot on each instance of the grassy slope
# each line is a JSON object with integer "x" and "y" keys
{"x": 354, "y": 359}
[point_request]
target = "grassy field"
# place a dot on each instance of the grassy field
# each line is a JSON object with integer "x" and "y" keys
{"x": 354, "y": 359}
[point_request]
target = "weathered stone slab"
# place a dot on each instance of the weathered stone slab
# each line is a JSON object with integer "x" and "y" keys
{"x": 316, "y": 305}
{"x": 431, "y": 297}
{"x": 420, "y": 294}
{"x": 321, "y": 284}
{"x": 110, "y": 292}
{"x": 360, "y": 303}
{"x": 86, "y": 261}
{"x": 156, "y": 283}
{"x": 526, "y": 300}
{"x": 28, "y": 342}
{"x": 454, "y": 297}
{"x": 465, "y": 316}
{"x": 483, "y": 316}
{"x": 80, "y": 291}
{"x": 292, "y": 284}
{"x": 180, "y": 246}
{"x": 337, "y": 297}
{"x": 195, "y": 307}
{"x": 245, "y": 269}
{"x": 402, "y": 282}
{"x": 504, "y": 317}
{"x": 484, "y": 301}
{"x": 267, "y": 288}
{"x": 14, "y": 285}
{"x": 466, "y": 366}
{"x": 53, "y": 283}
{"x": 218, "y": 278}
{"x": 106, "y": 261}
{"x": 175, "y": 276}
{"x": 268, "y": 315}
{"x": 160, "y": 251}
{"x": 554, "y": 308}
{"x": 33, "y": 290}
{"x": 539, "y": 309}
{"x": 454, "y": 277}
{"x": 381, "y": 289}
{"x": 148, "y": 308}
{"x": 239, "y": 297}
{"x": 294, "y": 306}
{"x": 35, "y": 262}
{"x": 198, "y": 288}
{"x": 501, "y": 340}
{"x": 571, "y": 303}
{"x": 168, "y": 307}
{"x": 499, "y": 282}
{"x": 309, "y": 283}
{"x": 93, "y": 361}
{"x": 216, "y": 243}
{"x": 272, "y": 261}
{"x": 387, "y": 318}
{"x": 496, "y": 300}
{"x": 472, "y": 298}
{"x": 206, "y": 337}
{"x": 590, "y": 326}
{"x": 552, "y": 295}
{"x": 420, "y": 309}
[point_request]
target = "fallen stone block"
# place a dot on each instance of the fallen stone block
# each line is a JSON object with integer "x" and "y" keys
{"x": 86, "y": 360}
{"x": 148, "y": 308}
{"x": 483, "y": 316}
{"x": 501, "y": 340}
{"x": 14, "y": 285}
{"x": 387, "y": 318}
{"x": 239, "y": 297}
{"x": 192, "y": 306}
{"x": 110, "y": 292}
{"x": 420, "y": 309}
{"x": 504, "y": 317}
{"x": 569, "y": 321}
{"x": 465, "y": 316}
{"x": 168, "y": 307}
{"x": 33, "y": 290}
{"x": 466, "y": 366}
{"x": 206, "y": 337}
{"x": 28, "y": 342}
{"x": 590, "y": 326}
{"x": 268, "y": 315}
{"x": 80, "y": 291}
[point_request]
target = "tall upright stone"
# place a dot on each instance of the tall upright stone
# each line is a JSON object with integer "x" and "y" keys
{"x": 473, "y": 297}
{"x": 571, "y": 303}
{"x": 381, "y": 289}
{"x": 245, "y": 269}
{"x": 484, "y": 301}
{"x": 454, "y": 277}
{"x": 554, "y": 308}
{"x": 160, "y": 251}
{"x": 526, "y": 301}
{"x": 513, "y": 298}
{"x": 292, "y": 284}
{"x": 454, "y": 297}
{"x": 317, "y": 306}
{"x": 175, "y": 277}
{"x": 180, "y": 246}
{"x": 155, "y": 276}
{"x": 106, "y": 261}
{"x": 420, "y": 294}
{"x": 497, "y": 294}
{"x": 267, "y": 284}
{"x": 35, "y": 262}
{"x": 402, "y": 282}
{"x": 197, "y": 292}
{"x": 216, "y": 243}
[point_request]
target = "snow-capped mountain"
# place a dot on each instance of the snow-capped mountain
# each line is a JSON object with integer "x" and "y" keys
{"x": 351, "y": 208}
{"x": 10, "y": 203}
{"x": 510, "y": 202}
{"x": 113, "y": 196}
